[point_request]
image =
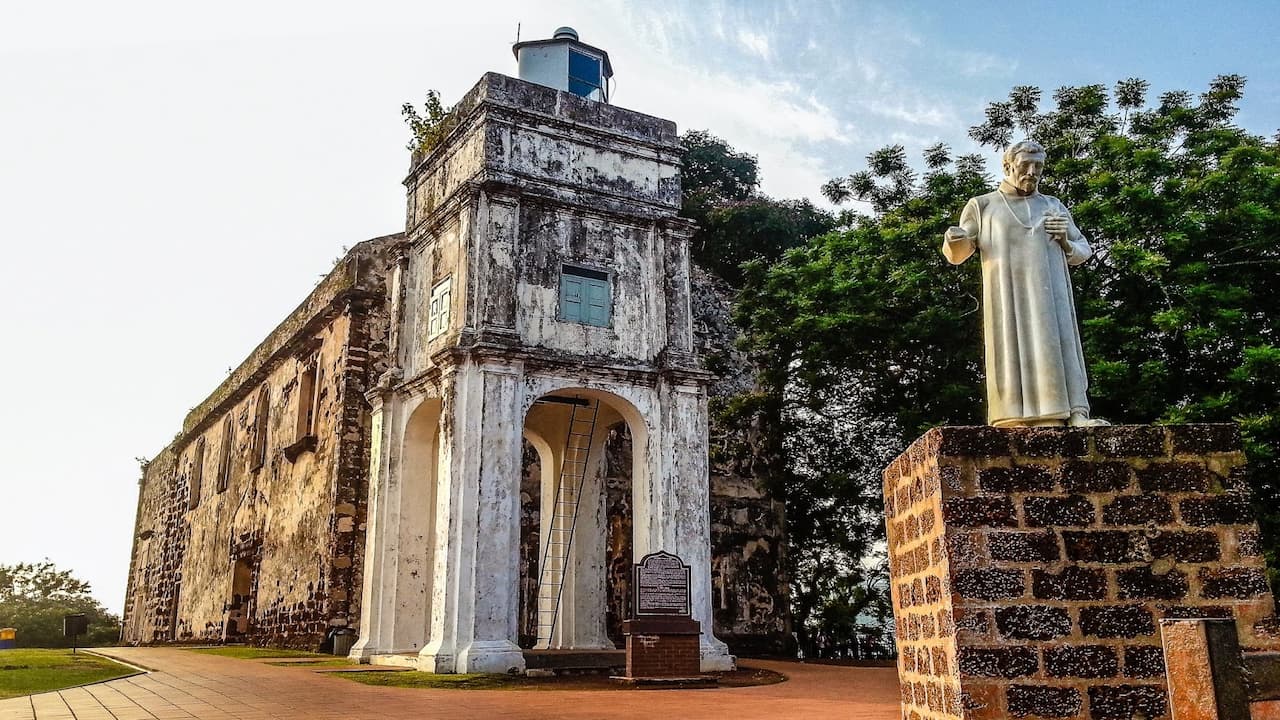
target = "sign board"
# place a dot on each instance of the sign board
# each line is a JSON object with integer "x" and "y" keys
{"x": 73, "y": 625}
{"x": 660, "y": 583}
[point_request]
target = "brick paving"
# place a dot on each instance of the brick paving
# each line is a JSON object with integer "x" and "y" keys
{"x": 194, "y": 685}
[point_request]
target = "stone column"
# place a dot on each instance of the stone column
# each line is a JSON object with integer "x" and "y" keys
{"x": 439, "y": 655}
{"x": 478, "y": 569}
{"x": 382, "y": 530}
{"x": 673, "y": 513}
{"x": 1030, "y": 566}
{"x": 1206, "y": 670}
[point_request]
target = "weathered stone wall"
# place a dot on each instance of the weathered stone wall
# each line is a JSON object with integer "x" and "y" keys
{"x": 618, "y": 531}
{"x": 531, "y": 179}
{"x": 292, "y": 521}
{"x": 750, "y": 584}
{"x": 157, "y": 550}
{"x": 1030, "y": 566}
{"x": 749, "y": 589}
{"x": 530, "y": 557}
{"x": 528, "y": 180}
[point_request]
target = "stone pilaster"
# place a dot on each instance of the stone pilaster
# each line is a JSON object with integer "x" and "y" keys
{"x": 1030, "y": 567}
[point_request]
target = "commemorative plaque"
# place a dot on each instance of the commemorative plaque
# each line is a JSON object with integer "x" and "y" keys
{"x": 661, "y": 585}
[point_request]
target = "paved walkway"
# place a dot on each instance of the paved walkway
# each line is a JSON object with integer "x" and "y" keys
{"x": 194, "y": 685}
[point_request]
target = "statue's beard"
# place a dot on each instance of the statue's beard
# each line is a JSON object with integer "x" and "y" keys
{"x": 1026, "y": 184}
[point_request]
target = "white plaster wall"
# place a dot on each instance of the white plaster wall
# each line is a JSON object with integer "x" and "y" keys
{"x": 546, "y": 65}
{"x": 631, "y": 172}
{"x": 431, "y": 261}
{"x": 462, "y": 160}
{"x": 626, "y": 252}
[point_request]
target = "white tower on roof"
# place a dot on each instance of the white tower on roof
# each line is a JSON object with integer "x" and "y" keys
{"x": 565, "y": 63}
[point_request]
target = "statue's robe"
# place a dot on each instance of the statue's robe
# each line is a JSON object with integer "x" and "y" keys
{"x": 1035, "y": 367}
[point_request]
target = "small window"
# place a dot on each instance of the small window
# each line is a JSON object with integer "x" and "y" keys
{"x": 438, "y": 318}
{"x": 584, "y": 75}
{"x": 196, "y": 476}
{"x": 585, "y": 296}
{"x": 261, "y": 415}
{"x": 225, "y": 453}
{"x": 308, "y": 392}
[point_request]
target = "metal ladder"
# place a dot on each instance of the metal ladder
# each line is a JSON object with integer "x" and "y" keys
{"x": 564, "y": 517}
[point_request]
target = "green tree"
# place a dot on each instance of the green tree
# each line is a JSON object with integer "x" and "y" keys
{"x": 714, "y": 174}
{"x": 34, "y": 597}
{"x": 806, "y": 460}
{"x": 758, "y": 228}
{"x": 736, "y": 223}
{"x": 850, "y": 360}
{"x": 1178, "y": 308}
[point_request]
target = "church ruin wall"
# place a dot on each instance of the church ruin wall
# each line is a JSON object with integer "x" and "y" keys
{"x": 285, "y": 515}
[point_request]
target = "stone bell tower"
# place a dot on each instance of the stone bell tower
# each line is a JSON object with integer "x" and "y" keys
{"x": 541, "y": 298}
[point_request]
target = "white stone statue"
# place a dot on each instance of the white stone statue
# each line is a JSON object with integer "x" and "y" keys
{"x": 1035, "y": 367}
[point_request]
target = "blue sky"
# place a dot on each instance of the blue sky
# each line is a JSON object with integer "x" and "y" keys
{"x": 174, "y": 178}
{"x": 915, "y": 73}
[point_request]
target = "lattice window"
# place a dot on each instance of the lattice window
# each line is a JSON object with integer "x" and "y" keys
{"x": 438, "y": 315}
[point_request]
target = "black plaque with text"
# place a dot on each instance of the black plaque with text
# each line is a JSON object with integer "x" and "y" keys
{"x": 661, "y": 586}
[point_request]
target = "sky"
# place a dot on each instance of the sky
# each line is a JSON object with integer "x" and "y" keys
{"x": 176, "y": 177}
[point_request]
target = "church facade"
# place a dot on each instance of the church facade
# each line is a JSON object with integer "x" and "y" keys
{"x": 456, "y": 446}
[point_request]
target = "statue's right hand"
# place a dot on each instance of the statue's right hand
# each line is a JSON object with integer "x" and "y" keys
{"x": 955, "y": 232}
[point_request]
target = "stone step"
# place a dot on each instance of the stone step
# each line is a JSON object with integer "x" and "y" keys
{"x": 575, "y": 660}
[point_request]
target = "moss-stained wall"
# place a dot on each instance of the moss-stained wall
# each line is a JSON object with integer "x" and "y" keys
{"x": 293, "y": 522}
{"x": 528, "y": 181}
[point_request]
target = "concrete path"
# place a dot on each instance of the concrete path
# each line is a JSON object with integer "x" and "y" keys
{"x": 194, "y": 685}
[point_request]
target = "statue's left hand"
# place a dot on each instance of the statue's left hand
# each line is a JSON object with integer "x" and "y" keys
{"x": 1056, "y": 227}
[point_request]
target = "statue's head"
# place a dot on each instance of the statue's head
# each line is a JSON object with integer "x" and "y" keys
{"x": 1024, "y": 165}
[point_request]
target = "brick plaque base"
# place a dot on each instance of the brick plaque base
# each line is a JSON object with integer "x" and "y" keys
{"x": 1030, "y": 566}
{"x": 662, "y": 647}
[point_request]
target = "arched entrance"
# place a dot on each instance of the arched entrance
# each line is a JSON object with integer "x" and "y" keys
{"x": 420, "y": 468}
{"x": 576, "y": 524}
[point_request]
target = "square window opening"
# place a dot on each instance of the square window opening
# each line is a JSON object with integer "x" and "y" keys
{"x": 584, "y": 75}
{"x": 586, "y": 296}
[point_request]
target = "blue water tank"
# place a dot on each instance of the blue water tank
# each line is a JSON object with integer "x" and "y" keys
{"x": 565, "y": 63}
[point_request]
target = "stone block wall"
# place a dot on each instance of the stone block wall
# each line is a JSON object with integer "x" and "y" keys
{"x": 1030, "y": 566}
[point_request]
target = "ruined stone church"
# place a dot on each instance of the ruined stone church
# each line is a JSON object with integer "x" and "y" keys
{"x": 455, "y": 447}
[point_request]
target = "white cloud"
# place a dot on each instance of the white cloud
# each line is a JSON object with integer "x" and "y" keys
{"x": 974, "y": 64}
{"x": 755, "y": 43}
{"x": 918, "y": 112}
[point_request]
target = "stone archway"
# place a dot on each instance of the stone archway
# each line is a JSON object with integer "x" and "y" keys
{"x": 419, "y": 469}
{"x": 591, "y": 600}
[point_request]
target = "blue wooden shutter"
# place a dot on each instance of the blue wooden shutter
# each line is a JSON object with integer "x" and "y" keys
{"x": 571, "y": 298}
{"x": 597, "y": 303}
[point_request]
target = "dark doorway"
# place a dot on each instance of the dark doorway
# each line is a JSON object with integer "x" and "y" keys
{"x": 240, "y": 605}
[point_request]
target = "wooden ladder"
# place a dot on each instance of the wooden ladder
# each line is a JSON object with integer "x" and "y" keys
{"x": 564, "y": 516}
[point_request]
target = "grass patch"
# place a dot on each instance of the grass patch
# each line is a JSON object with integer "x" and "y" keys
{"x": 245, "y": 652}
{"x": 742, "y": 677}
{"x": 25, "y": 671}
{"x": 473, "y": 681}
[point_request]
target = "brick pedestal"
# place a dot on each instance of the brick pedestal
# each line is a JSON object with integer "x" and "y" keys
{"x": 1030, "y": 566}
{"x": 662, "y": 647}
